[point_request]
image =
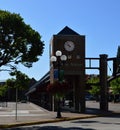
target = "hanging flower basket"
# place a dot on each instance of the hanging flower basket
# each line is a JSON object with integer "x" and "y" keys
{"x": 58, "y": 88}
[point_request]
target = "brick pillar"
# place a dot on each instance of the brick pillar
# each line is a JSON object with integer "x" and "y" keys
{"x": 76, "y": 94}
{"x": 103, "y": 83}
{"x": 79, "y": 94}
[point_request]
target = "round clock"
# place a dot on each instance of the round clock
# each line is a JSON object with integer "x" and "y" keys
{"x": 69, "y": 46}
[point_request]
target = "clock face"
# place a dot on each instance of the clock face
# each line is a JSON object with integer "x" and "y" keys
{"x": 69, "y": 46}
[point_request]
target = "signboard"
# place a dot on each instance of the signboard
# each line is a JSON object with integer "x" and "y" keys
{"x": 59, "y": 75}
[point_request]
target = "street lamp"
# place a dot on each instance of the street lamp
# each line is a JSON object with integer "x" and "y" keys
{"x": 59, "y": 59}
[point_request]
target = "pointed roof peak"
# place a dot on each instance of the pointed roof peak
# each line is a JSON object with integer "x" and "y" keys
{"x": 67, "y": 31}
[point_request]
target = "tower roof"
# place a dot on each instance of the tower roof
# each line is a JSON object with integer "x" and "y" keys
{"x": 67, "y": 31}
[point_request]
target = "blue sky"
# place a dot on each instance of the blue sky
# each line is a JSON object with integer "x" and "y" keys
{"x": 98, "y": 20}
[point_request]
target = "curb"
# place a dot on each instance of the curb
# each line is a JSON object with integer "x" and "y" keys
{"x": 47, "y": 121}
{"x": 55, "y": 120}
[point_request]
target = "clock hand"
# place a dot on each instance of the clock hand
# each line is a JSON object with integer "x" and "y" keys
{"x": 69, "y": 45}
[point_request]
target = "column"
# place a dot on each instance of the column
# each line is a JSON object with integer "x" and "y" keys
{"x": 103, "y": 83}
{"x": 79, "y": 94}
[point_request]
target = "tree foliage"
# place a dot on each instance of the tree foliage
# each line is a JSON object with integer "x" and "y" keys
{"x": 115, "y": 86}
{"x": 95, "y": 89}
{"x": 3, "y": 90}
{"x": 4, "y": 87}
{"x": 21, "y": 81}
{"x": 19, "y": 43}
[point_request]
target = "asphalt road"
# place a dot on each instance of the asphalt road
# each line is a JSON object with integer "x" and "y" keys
{"x": 99, "y": 123}
{"x": 30, "y": 112}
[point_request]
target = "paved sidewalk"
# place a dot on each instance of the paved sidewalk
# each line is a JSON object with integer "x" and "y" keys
{"x": 29, "y": 113}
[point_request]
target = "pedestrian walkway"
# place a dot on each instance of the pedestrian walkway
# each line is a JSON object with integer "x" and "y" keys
{"x": 25, "y": 112}
{"x": 29, "y": 113}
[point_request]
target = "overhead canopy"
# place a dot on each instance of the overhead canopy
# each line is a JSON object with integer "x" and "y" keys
{"x": 44, "y": 80}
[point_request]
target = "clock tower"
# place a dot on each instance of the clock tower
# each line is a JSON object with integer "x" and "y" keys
{"x": 71, "y": 44}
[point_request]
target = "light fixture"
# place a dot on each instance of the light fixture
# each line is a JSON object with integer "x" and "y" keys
{"x": 58, "y": 53}
{"x": 63, "y": 58}
{"x": 53, "y": 59}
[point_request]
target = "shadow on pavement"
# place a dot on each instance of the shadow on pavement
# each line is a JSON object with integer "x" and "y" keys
{"x": 50, "y": 128}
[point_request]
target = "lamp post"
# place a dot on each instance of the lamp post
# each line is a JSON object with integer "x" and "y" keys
{"x": 59, "y": 60}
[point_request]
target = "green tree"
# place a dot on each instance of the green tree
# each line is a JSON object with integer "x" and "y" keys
{"x": 115, "y": 89}
{"x": 21, "y": 82}
{"x": 19, "y": 43}
{"x": 4, "y": 87}
{"x": 3, "y": 90}
{"x": 115, "y": 86}
{"x": 95, "y": 88}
